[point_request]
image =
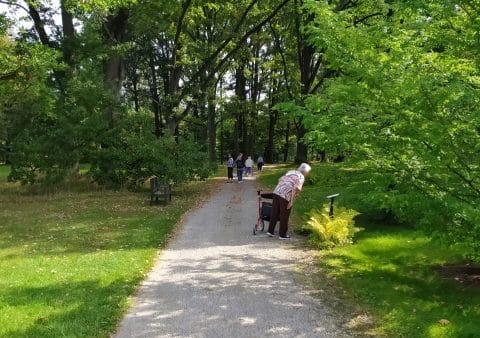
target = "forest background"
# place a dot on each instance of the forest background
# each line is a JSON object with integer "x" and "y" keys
{"x": 169, "y": 88}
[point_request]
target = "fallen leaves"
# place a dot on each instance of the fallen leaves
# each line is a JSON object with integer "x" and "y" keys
{"x": 444, "y": 322}
{"x": 363, "y": 320}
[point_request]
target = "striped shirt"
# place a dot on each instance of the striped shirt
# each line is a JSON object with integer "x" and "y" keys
{"x": 288, "y": 183}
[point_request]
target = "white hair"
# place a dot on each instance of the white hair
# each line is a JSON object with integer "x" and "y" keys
{"x": 304, "y": 168}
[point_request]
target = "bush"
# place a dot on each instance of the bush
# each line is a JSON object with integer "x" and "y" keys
{"x": 131, "y": 153}
{"x": 327, "y": 232}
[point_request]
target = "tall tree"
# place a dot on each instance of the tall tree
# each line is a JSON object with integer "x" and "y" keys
{"x": 225, "y": 39}
{"x": 405, "y": 107}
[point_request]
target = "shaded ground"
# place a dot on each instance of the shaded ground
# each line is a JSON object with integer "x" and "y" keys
{"x": 218, "y": 280}
{"x": 463, "y": 273}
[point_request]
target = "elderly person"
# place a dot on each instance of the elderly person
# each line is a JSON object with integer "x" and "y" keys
{"x": 288, "y": 188}
{"x": 230, "y": 164}
{"x": 248, "y": 166}
{"x": 260, "y": 163}
{"x": 240, "y": 164}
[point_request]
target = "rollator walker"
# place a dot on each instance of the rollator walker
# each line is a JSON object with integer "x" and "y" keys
{"x": 264, "y": 209}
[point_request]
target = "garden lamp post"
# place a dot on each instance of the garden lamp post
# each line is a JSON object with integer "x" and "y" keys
{"x": 332, "y": 198}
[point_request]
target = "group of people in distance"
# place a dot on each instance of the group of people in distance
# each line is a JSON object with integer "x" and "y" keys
{"x": 285, "y": 193}
{"x": 244, "y": 164}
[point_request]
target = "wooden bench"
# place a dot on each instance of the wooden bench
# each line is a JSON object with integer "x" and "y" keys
{"x": 159, "y": 192}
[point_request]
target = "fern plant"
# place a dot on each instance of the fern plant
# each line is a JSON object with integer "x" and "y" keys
{"x": 327, "y": 232}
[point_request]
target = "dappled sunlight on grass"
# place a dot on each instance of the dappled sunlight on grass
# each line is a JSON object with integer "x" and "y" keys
{"x": 391, "y": 270}
{"x": 443, "y": 330}
{"x": 69, "y": 261}
{"x": 59, "y": 309}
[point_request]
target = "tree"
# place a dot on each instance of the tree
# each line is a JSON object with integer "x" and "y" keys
{"x": 401, "y": 108}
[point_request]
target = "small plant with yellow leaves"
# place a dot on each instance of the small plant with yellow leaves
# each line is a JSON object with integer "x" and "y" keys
{"x": 327, "y": 232}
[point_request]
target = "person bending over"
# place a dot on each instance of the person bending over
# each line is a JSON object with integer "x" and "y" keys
{"x": 285, "y": 193}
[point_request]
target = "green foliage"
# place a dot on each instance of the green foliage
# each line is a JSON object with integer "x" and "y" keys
{"x": 327, "y": 232}
{"x": 405, "y": 108}
{"x": 131, "y": 153}
{"x": 4, "y": 24}
{"x": 28, "y": 110}
{"x": 106, "y": 6}
{"x": 178, "y": 50}
{"x": 4, "y": 171}
{"x": 391, "y": 272}
{"x": 50, "y": 133}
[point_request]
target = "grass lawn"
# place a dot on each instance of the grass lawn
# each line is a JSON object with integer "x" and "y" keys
{"x": 4, "y": 171}
{"x": 391, "y": 271}
{"x": 70, "y": 260}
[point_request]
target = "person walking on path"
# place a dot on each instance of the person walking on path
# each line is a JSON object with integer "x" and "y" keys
{"x": 260, "y": 163}
{"x": 287, "y": 189}
{"x": 239, "y": 164}
{"x": 249, "y": 166}
{"x": 230, "y": 164}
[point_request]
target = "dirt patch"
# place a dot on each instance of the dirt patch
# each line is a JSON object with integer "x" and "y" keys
{"x": 463, "y": 273}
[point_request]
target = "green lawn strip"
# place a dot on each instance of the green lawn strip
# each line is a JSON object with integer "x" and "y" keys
{"x": 391, "y": 270}
{"x": 69, "y": 261}
{"x": 4, "y": 171}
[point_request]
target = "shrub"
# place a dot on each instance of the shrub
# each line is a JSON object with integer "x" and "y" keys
{"x": 327, "y": 232}
{"x": 131, "y": 154}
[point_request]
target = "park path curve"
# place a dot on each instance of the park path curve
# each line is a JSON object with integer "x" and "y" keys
{"x": 216, "y": 279}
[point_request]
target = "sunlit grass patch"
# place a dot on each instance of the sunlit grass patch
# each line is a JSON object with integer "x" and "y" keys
{"x": 70, "y": 260}
{"x": 4, "y": 171}
{"x": 391, "y": 271}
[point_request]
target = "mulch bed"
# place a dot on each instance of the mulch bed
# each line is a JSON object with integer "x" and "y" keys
{"x": 463, "y": 273}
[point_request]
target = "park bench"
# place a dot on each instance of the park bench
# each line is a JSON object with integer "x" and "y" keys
{"x": 159, "y": 192}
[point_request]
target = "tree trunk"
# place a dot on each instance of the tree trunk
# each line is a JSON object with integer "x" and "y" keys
{"x": 323, "y": 156}
{"x": 272, "y": 121}
{"x": 155, "y": 97}
{"x": 211, "y": 127}
{"x": 68, "y": 31}
{"x": 241, "y": 93}
{"x": 255, "y": 91}
{"x": 68, "y": 44}
{"x": 273, "y": 114}
{"x": 309, "y": 64}
{"x": 7, "y": 151}
{"x": 301, "y": 153}
{"x": 213, "y": 63}
{"x": 222, "y": 147}
{"x": 287, "y": 142}
{"x": 114, "y": 30}
{"x": 136, "y": 99}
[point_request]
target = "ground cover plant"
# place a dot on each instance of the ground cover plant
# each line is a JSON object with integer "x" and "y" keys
{"x": 394, "y": 272}
{"x": 70, "y": 260}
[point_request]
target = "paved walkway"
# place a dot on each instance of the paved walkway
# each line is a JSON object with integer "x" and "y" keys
{"x": 216, "y": 279}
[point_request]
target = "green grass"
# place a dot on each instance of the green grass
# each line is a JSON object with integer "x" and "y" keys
{"x": 70, "y": 260}
{"x": 391, "y": 271}
{"x": 4, "y": 171}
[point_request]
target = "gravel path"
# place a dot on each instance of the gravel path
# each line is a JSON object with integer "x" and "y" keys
{"x": 216, "y": 279}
